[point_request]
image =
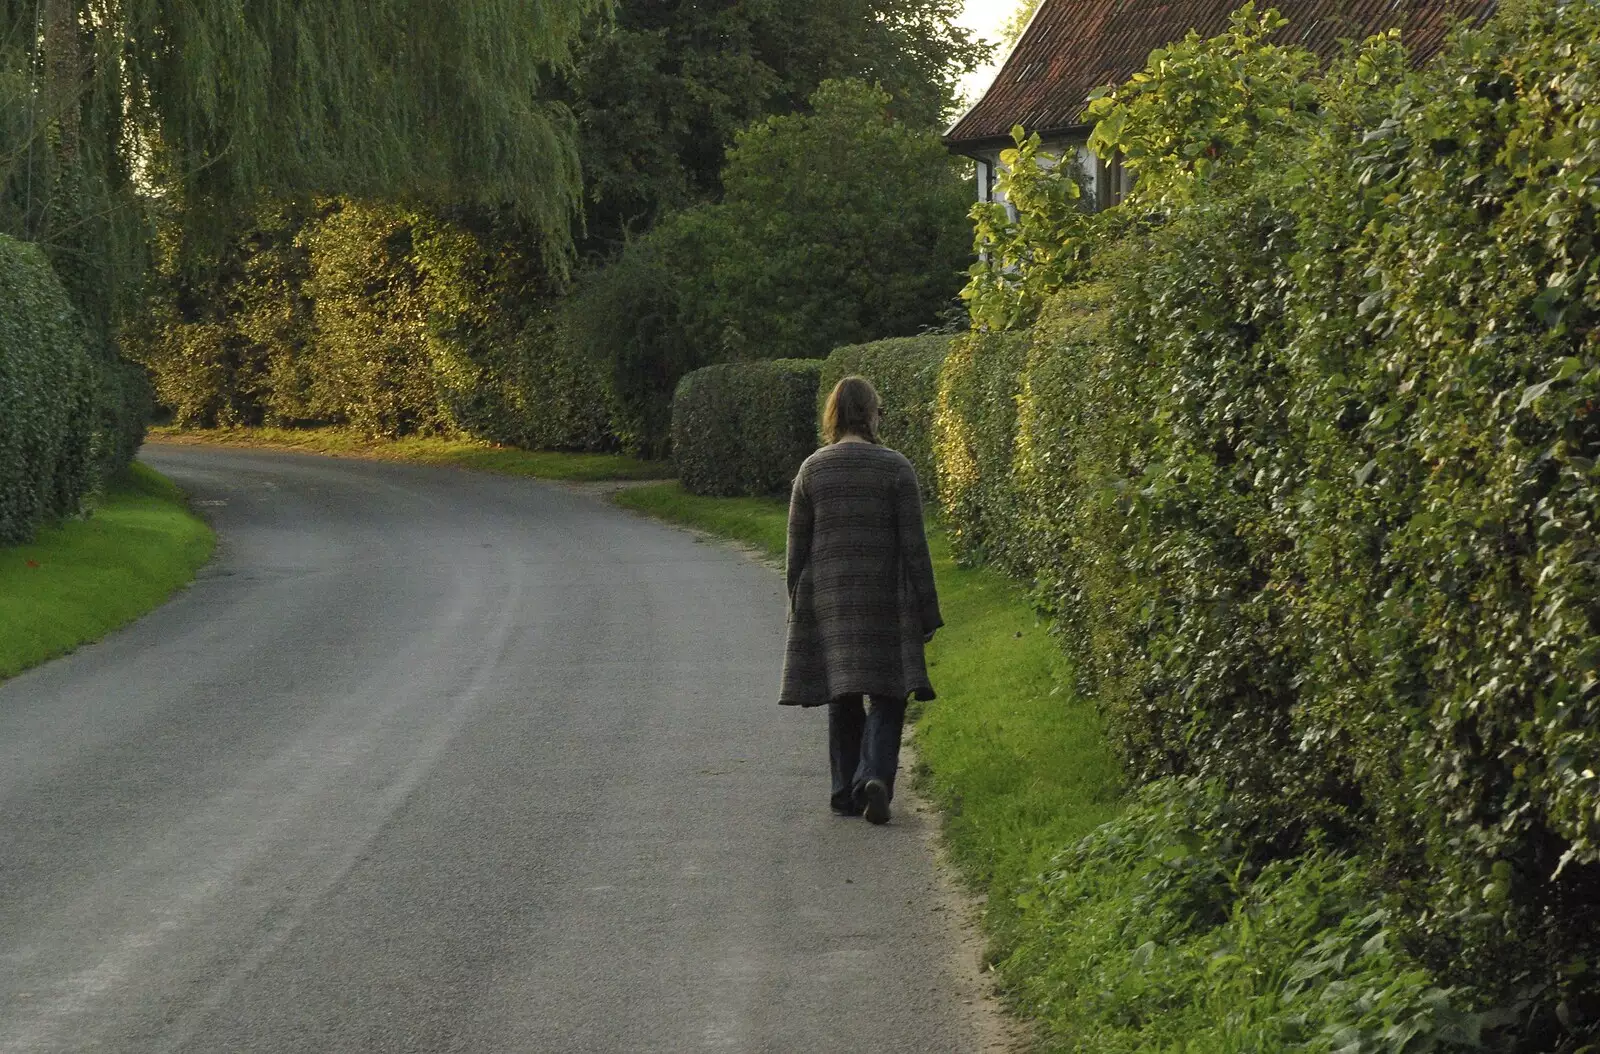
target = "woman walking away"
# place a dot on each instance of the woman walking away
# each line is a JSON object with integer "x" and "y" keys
{"x": 861, "y": 598}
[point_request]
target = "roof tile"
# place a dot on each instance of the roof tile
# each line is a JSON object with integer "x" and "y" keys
{"x": 1074, "y": 46}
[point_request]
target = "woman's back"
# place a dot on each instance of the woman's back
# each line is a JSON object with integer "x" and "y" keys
{"x": 860, "y": 580}
{"x": 854, "y": 490}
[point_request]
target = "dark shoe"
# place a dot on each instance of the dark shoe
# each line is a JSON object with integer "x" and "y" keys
{"x": 876, "y": 794}
{"x": 846, "y": 810}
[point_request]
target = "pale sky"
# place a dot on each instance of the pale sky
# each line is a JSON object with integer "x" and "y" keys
{"x": 984, "y": 18}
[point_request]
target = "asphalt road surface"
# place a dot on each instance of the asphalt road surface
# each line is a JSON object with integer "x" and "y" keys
{"x": 435, "y": 761}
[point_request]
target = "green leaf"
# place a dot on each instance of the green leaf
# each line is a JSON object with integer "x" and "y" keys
{"x": 1532, "y": 393}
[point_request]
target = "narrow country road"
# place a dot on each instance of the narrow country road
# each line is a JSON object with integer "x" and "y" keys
{"x": 433, "y": 761}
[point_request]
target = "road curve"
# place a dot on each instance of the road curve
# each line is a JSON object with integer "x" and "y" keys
{"x": 435, "y": 761}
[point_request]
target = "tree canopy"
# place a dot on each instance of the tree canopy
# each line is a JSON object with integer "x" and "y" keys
{"x": 225, "y": 102}
{"x": 660, "y": 91}
{"x": 1017, "y": 24}
{"x": 839, "y": 225}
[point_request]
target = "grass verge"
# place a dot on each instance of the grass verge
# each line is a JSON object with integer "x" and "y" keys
{"x": 758, "y": 522}
{"x": 79, "y": 581}
{"x": 428, "y": 450}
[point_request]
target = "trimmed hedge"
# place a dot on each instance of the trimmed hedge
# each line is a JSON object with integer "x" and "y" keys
{"x": 124, "y": 404}
{"x": 530, "y": 391}
{"x": 905, "y": 370}
{"x": 743, "y": 428}
{"x": 48, "y": 386}
{"x": 1309, "y": 483}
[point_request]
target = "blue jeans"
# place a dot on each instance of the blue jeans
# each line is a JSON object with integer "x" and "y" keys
{"x": 863, "y": 744}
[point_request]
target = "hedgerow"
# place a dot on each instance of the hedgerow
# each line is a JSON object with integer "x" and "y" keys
{"x": 48, "y": 388}
{"x": 905, "y": 370}
{"x": 974, "y": 427}
{"x": 745, "y": 427}
{"x": 387, "y": 319}
{"x": 1306, "y": 472}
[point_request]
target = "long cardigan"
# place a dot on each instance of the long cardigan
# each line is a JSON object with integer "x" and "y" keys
{"x": 861, "y": 590}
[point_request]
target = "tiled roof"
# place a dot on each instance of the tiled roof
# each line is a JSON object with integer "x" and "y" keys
{"x": 1074, "y": 46}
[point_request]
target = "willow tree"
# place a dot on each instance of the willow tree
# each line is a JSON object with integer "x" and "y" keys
{"x": 216, "y": 105}
{"x": 368, "y": 98}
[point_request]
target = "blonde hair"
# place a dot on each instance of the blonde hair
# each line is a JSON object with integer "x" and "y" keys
{"x": 853, "y": 408}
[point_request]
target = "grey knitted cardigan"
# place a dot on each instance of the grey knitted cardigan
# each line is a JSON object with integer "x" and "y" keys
{"x": 861, "y": 591}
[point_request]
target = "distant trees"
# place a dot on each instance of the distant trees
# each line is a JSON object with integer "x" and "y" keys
{"x": 714, "y": 234}
{"x": 838, "y": 226}
{"x": 396, "y": 191}
{"x": 660, "y": 91}
{"x": 1012, "y": 31}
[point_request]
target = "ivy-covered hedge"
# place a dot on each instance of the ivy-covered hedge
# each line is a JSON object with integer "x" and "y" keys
{"x": 974, "y": 428}
{"x": 745, "y": 427}
{"x": 905, "y": 370}
{"x": 48, "y": 387}
{"x": 1307, "y": 475}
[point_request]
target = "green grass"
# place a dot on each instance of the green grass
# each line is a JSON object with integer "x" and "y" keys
{"x": 79, "y": 581}
{"x": 1017, "y": 762}
{"x": 429, "y": 450}
{"x": 1019, "y": 765}
{"x": 758, "y": 522}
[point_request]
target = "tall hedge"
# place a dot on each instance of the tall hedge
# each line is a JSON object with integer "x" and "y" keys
{"x": 745, "y": 427}
{"x": 389, "y": 320}
{"x": 48, "y": 388}
{"x": 1308, "y": 479}
{"x": 905, "y": 370}
{"x": 974, "y": 429}
{"x": 527, "y": 389}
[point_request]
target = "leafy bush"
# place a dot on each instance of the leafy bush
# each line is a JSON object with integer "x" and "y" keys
{"x": 528, "y": 390}
{"x": 388, "y": 319}
{"x": 839, "y": 226}
{"x": 905, "y": 370}
{"x": 124, "y": 404}
{"x": 1308, "y": 476}
{"x": 502, "y": 374}
{"x": 745, "y": 427}
{"x": 633, "y": 320}
{"x": 1035, "y": 235}
{"x": 374, "y": 367}
{"x": 47, "y": 397}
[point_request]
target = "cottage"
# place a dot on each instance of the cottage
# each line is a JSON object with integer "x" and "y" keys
{"x": 1072, "y": 47}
